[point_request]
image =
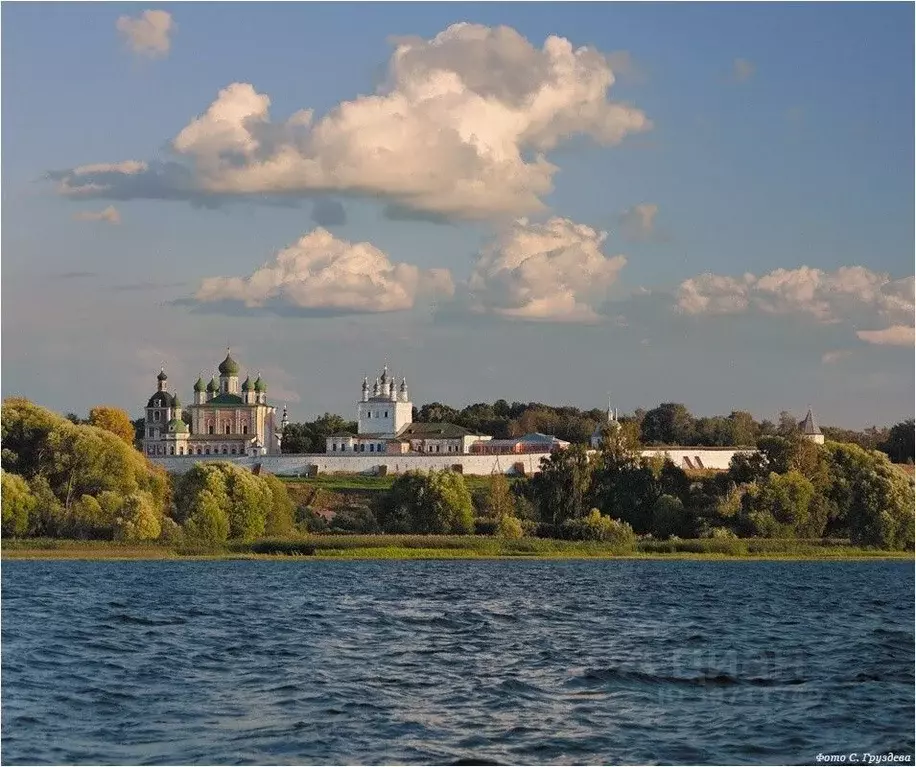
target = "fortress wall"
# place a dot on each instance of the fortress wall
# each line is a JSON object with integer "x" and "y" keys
{"x": 293, "y": 465}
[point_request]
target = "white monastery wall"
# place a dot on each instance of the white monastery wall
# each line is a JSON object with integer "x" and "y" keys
{"x": 293, "y": 465}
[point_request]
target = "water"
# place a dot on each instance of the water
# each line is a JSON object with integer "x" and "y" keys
{"x": 441, "y": 662}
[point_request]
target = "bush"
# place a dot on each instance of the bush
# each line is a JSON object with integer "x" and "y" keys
{"x": 597, "y": 527}
{"x": 138, "y": 521}
{"x": 509, "y": 528}
{"x": 437, "y": 502}
{"x": 18, "y": 504}
{"x": 485, "y": 526}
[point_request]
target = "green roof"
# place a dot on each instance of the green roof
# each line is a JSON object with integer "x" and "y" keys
{"x": 227, "y": 399}
{"x": 213, "y": 385}
{"x": 178, "y": 426}
{"x": 200, "y": 385}
{"x": 260, "y": 385}
{"x": 175, "y": 401}
{"x": 247, "y": 385}
{"x": 228, "y": 367}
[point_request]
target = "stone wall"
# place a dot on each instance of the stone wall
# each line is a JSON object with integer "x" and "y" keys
{"x": 323, "y": 463}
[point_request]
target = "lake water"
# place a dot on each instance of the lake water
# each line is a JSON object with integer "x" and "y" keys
{"x": 455, "y": 662}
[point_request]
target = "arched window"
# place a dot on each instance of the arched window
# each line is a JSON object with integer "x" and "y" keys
{"x": 210, "y": 429}
{"x": 228, "y": 428}
{"x": 181, "y": 451}
{"x": 198, "y": 450}
{"x": 369, "y": 414}
{"x": 232, "y": 451}
{"x": 372, "y": 447}
{"x": 386, "y": 414}
{"x": 224, "y": 450}
{"x": 207, "y": 451}
{"x": 156, "y": 416}
{"x": 245, "y": 429}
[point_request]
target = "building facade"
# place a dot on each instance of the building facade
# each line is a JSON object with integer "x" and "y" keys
{"x": 226, "y": 418}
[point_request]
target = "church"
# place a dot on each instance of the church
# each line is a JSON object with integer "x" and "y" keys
{"x": 226, "y": 418}
{"x": 385, "y": 425}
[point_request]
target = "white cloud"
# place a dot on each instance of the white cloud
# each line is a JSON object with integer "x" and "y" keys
{"x": 896, "y": 335}
{"x": 743, "y": 70}
{"x": 850, "y": 294}
{"x": 460, "y": 128}
{"x": 149, "y": 34}
{"x": 322, "y": 272}
{"x": 638, "y": 222}
{"x": 109, "y": 215}
{"x": 550, "y": 271}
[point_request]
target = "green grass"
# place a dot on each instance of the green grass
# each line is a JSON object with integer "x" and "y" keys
{"x": 447, "y": 547}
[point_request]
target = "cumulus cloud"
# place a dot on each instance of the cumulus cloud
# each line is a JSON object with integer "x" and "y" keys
{"x": 460, "y": 127}
{"x": 550, "y": 271}
{"x": 743, "y": 70}
{"x": 322, "y": 272}
{"x": 638, "y": 222}
{"x": 149, "y": 34}
{"x": 896, "y": 335}
{"x": 109, "y": 215}
{"x": 851, "y": 293}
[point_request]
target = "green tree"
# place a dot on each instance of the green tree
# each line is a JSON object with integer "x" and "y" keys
{"x": 669, "y": 424}
{"x": 899, "y": 443}
{"x": 86, "y": 520}
{"x": 436, "y": 503}
{"x": 280, "y": 519}
{"x": 597, "y": 527}
{"x": 509, "y": 527}
{"x": 18, "y": 504}
{"x": 668, "y": 517}
{"x": 207, "y": 520}
{"x": 561, "y": 489}
{"x": 138, "y": 520}
{"x": 782, "y": 505}
{"x": 499, "y": 502}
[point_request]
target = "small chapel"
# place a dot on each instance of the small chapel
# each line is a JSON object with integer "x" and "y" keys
{"x": 226, "y": 418}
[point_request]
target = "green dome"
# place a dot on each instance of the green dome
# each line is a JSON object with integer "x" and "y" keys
{"x": 213, "y": 386}
{"x": 177, "y": 426}
{"x": 247, "y": 385}
{"x": 259, "y": 385}
{"x": 200, "y": 385}
{"x": 228, "y": 367}
{"x": 175, "y": 401}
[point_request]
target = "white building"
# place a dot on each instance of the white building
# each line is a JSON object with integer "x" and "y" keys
{"x": 226, "y": 418}
{"x": 810, "y": 429}
{"x": 384, "y": 420}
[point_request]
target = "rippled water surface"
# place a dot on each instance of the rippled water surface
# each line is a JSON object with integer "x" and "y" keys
{"x": 437, "y": 662}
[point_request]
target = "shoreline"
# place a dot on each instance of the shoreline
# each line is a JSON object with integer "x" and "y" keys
{"x": 342, "y": 548}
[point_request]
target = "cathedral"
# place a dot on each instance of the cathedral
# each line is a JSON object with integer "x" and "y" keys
{"x": 225, "y": 419}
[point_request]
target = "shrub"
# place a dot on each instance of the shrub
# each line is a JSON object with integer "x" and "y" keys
{"x": 18, "y": 504}
{"x": 138, "y": 520}
{"x": 509, "y": 527}
{"x": 597, "y": 527}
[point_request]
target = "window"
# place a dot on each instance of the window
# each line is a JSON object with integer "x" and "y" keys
{"x": 232, "y": 451}
{"x": 369, "y": 414}
{"x": 334, "y": 447}
{"x": 156, "y": 416}
{"x": 245, "y": 429}
{"x": 210, "y": 429}
{"x": 386, "y": 414}
{"x": 224, "y": 450}
{"x": 181, "y": 451}
{"x": 198, "y": 450}
{"x": 149, "y": 450}
{"x": 362, "y": 447}
{"x": 207, "y": 451}
{"x": 381, "y": 447}
{"x": 372, "y": 447}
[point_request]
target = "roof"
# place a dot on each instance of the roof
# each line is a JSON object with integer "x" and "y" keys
{"x": 213, "y": 385}
{"x": 809, "y": 425}
{"x": 228, "y": 367}
{"x": 535, "y": 438}
{"x": 199, "y": 386}
{"x": 435, "y": 431}
{"x": 226, "y": 399}
{"x": 160, "y": 399}
{"x": 246, "y": 386}
{"x": 178, "y": 426}
{"x": 260, "y": 385}
{"x": 162, "y": 376}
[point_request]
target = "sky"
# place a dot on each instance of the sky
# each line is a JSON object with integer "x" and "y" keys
{"x": 710, "y": 204}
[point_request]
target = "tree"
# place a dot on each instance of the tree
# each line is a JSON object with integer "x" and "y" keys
{"x": 668, "y": 517}
{"x": 207, "y": 520}
{"x": 113, "y": 419}
{"x": 899, "y": 444}
{"x": 138, "y": 520}
{"x": 499, "y": 502}
{"x": 436, "y": 503}
{"x": 561, "y": 489}
{"x": 668, "y": 424}
{"x": 18, "y": 504}
{"x": 280, "y": 520}
{"x": 780, "y": 508}
{"x": 597, "y": 527}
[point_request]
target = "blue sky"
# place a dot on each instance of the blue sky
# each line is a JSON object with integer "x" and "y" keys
{"x": 734, "y": 140}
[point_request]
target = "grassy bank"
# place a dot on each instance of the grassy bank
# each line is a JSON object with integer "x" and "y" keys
{"x": 447, "y": 547}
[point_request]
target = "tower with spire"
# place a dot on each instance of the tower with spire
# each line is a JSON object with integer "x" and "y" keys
{"x": 810, "y": 430}
{"x": 605, "y": 428}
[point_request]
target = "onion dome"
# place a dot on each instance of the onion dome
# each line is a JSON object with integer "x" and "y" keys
{"x": 177, "y": 426}
{"x": 213, "y": 386}
{"x": 162, "y": 376}
{"x": 175, "y": 401}
{"x": 259, "y": 385}
{"x": 247, "y": 385}
{"x": 200, "y": 385}
{"x": 228, "y": 367}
